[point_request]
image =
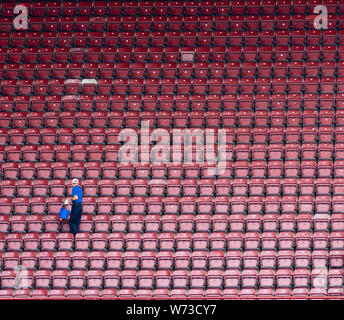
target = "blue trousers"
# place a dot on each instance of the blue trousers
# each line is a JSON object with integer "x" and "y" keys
{"x": 75, "y": 218}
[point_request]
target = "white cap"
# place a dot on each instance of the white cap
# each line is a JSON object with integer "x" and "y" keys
{"x": 75, "y": 181}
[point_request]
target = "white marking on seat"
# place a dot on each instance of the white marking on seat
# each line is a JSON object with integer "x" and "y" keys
{"x": 88, "y": 81}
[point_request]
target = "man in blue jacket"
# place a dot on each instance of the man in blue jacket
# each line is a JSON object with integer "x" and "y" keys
{"x": 75, "y": 215}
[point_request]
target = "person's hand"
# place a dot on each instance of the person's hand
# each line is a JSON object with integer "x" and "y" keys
{"x": 66, "y": 201}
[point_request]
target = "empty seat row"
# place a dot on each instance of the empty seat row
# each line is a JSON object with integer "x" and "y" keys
{"x": 35, "y": 135}
{"x": 166, "y": 260}
{"x": 162, "y": 170}
{"x": 125, "y": 46}
{"x": 227, "y": 144}
{"x": 277, "y": 102}
{"x": 166, "y": 279}
{"x": 167, "y": 86}
{"x": 162, "y": 38}
{"x": 163, "y": 7}
{"x": 174, "y": 23}
{"x": 309, "y": 119}
{"x": 169, "y": 241}
{"x": 303, "y": 222}
{"x": 228, "y": 137}
{"x": 81, "y": 53}
{"x": 248, "y": 293}
{"x": 107, "y": 170}
{"x": 305, "y": 187}
{"x": 175, "y": 205}
{"x": 63, "y": 152}
{"x": 213, "y": 70}
{"x": 52, "y": 145}
{"x": 86, "y": 8}
{"x": 197, "y": 165}
{"x": 281, "y": 293}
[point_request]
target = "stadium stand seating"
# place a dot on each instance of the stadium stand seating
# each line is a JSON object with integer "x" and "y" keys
{"x": 271, "y": 225}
